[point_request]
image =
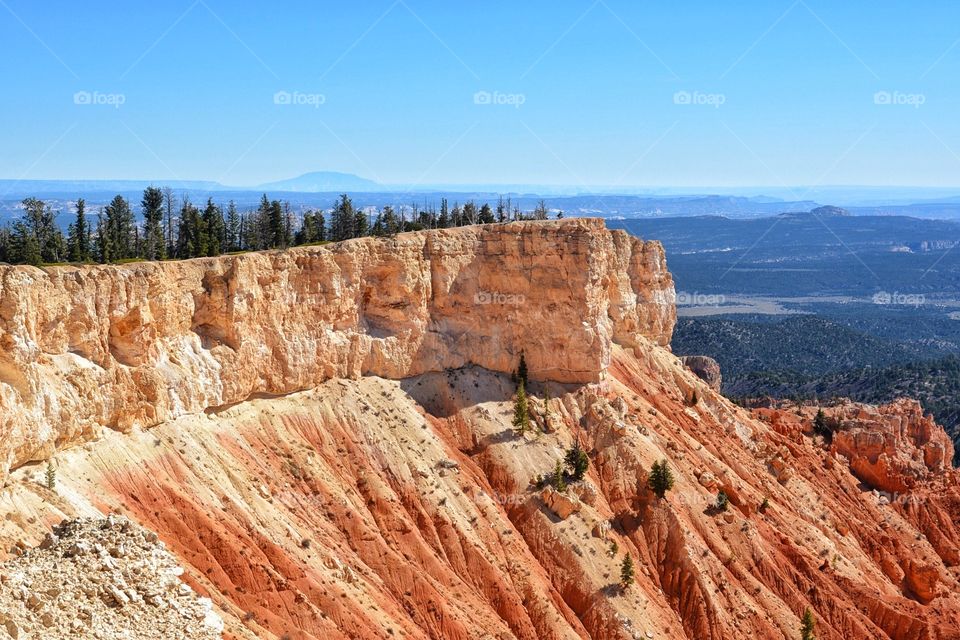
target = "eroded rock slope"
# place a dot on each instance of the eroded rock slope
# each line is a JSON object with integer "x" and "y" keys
{"x": 402, "y": 504}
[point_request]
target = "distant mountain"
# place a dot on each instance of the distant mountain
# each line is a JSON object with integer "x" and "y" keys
{"x": 324, "y": 181}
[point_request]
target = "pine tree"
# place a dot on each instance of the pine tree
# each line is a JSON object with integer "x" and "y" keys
{"x": 343, "y": 220}
{"x": 808, "y": 623}
{"x": 521, "y": 413}
{"x": 820, "y": 426}
{"x": 24, "y": 248}
{"x": 577, "y": 461}
{"x": 170, "y": 205}
{"x": 78, "y": 242}
{"x": 444, "y": 220}
{"x": 192, "y": 235}
{"x": 120, "y": 228}
{"x": 559, "y": 481}
{"x": 151, "y": 206}
{"x": 233, "y": 227}
{"x": 277, "y": 228}
{"x": 39, "y": 221}
{"x": 522, "y": 369}
{"x": 104, "y": 245}
{"x": 5, "y": 245}
{"x": 214, "y": 229}
{"x": 360, "y": 225}
{"x": 661, "y": 478}
{"x": 626, "y": 571}
{"x": 486, "y": 214}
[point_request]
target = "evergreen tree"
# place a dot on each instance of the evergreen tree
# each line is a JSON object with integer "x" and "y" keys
{"x": 486, "y": 214}
{"x": 501, "y": 210}
{"x": 444, "y": 220}
{"x": 170, "y": 205}
{"x": 5, "y": 245}
{"x": 807, "y": 625}
{"x": 191, "y": 236}
{"x": 361, "y": 224}
{"x": 577, "y": 461}
{"x": 522, "y": 369}
{"x": 626, "y": 571}
{"x": 661, "y": 478}
{"x": 78, "y": 241}
{"x": 521, "y": 414}
{"x": 105, "y": 250}
{"x": 343, "y": 220}
{"x": 214, "y": 229}
{"x": 310, "y": 230}
{"x": 120, "y": 228}
{"x": 151, "y": 206}
{"x": 233, "y": 227}
{"x": 820, "y": 426}
{"x": 321, "y": 223}
{"x": 559, "y": 481}
{"x": 24, "y": 248}
{"x": 39, "y": 221}
{"x": 277, "y": 228}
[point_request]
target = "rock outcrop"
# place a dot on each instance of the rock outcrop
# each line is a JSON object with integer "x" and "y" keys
{"x": 134, "y": 345}
{"x": 706, "y": 368}
{"x": 892, "y": 447}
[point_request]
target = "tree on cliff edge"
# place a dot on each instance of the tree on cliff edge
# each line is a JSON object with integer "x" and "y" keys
{"x": 661, "y": 478}
{"x": 577, "y": 461}
{"x": 807, "y": 625}
{"x": 626, "y": 572}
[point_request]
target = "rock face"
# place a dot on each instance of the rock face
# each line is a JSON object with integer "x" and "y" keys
{"x": 99, "y": 579}
{"x": 371, "y": 507}
{"x": 134, "y": 345}
{"x": 892, "y": 447}
{"x": 706, "y": 368}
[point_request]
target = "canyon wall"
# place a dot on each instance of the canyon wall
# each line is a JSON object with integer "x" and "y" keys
{"x": 138, "y": 344}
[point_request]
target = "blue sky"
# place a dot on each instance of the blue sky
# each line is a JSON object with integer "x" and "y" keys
{"x": 580, "y": 93}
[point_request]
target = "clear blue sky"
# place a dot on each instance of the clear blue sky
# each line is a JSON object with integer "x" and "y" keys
{"x": 597, "y": 81}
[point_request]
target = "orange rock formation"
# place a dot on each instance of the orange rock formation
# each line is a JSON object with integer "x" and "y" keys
{"x": 393, "y": 499}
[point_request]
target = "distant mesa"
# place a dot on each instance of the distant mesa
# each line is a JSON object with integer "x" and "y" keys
{"x": 819, "y": 212}
{"x": 323, "y": 181}
{"x": 830, "y": 210}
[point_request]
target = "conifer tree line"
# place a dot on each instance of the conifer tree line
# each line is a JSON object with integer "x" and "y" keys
{"x": 171, "y": 227}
